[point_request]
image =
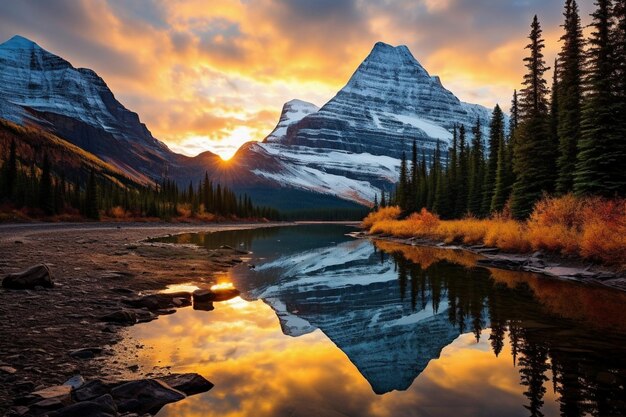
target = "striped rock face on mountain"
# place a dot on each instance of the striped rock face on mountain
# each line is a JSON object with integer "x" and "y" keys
{"x": 352, "y": 146}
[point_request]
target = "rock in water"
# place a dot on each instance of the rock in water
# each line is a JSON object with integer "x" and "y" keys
{"x": 103, "y": 406}
{"x": 161, "y": 301}
{"x": 145, "y": 396}
{"x": 190, "y": 384}
{"x": 218, "y": 294}
{"x": 86, "y": 353}
{"x": 90, "y": 390}
{"x": 37, "y": 276}
{"x": 124, "y": 317}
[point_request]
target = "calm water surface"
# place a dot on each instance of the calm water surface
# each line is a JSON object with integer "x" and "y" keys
{"x": 331, "y": 326}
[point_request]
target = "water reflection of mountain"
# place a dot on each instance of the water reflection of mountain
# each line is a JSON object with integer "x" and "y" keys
{"x": 354, "y": 296}
{"x": 391, "y": 316}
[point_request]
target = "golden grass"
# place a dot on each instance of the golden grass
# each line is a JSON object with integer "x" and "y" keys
{"x": 590, "y": 228}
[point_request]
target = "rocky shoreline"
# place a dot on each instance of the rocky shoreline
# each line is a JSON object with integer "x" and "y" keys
{"x": 555, "y": 267}
{"x": 91, "y": 281}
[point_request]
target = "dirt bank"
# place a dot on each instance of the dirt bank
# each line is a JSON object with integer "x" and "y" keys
{"x": 94, "y": 267}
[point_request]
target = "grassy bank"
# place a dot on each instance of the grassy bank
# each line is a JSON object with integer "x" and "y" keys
{"x": 593, "y": 229}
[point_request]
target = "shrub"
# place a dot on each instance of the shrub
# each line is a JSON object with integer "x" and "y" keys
{"x": 593, "y": 228}
{"x": 383, "y": 214}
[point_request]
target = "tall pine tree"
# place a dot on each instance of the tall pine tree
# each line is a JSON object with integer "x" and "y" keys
{"x": 534, "y": 153}
{"x": 462, "y": 176}
{"x": 92, "y": 208}
{"x": 476, "y": 172}
{"x": 46, "y": 195}
{"x": 601, "y": 154}
{"x": 496, "y": 139}
{"x": 10, "y": 171}
{"x": 403, "y": 184}
{"x": 569, "y": 96}
{"x": 503, "y": 179}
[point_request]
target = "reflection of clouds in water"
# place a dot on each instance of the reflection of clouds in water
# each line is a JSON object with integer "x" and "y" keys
{"x": 391, "y": 318}
{"x": 259, "y": 371}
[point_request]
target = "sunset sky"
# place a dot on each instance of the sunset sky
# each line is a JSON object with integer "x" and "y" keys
{"x": 211, "y": 75}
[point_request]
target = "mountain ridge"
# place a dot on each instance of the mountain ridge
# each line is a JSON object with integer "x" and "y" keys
{"x": 347, "y": 150}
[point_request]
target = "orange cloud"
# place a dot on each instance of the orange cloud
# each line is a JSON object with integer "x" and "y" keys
{"x": 193, "y": 70}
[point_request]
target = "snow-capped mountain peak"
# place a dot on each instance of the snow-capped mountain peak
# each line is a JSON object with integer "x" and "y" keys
{"x": 293, "y": 111}
{"x": 351, "y": 147}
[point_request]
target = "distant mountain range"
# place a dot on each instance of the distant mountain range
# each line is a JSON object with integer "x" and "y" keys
{"x": 340, "y": 155}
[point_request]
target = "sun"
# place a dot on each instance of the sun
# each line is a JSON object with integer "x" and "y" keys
{"x": 225, "y": 147}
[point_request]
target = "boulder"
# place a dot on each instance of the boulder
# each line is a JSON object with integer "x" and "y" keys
{"x": 45, "y": 406}
{"x": 86, "y": 353}
{"x": 145, "y": 396}
{"x": 75, "y": 382}
{"x": 7, "y": 370}
{"x": 203, "y": 305}
{"x": 161, "y": 301}
{"x": 60, "y": 392}
{"x": 190, "y": 384}
{"x": 37, "y": 276}
{"x": 103, "y": 406}
{"x": 217, "y": 294}
{"x": 91, "y": 390}
{"x": 124, "y": 317}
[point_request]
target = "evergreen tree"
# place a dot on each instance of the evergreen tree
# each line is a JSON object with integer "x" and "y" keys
{"x": 503, "y": 181}
{"x": 10, "y": 171}
{"x": 401, "y": 191}
{"x": 452, "y": 174}
{"x": 569, "y": 97}
{"x": 433, "y": 178}
{"x": 554, "y": 109}
{"x": 422, "y": 192}
{"x": 46, "y": 195}
{"x": 599, "y": 168}
{"x": 476, "y": 172}
{"x": 92, "y": 209}
{"x": 534, "y": 154}
{"x": 441, "y": 203}
{"x": 515, "y": 114}
{"x": 619, "y": 14}
{"x": 496, "y": 139}
{"x": 462, "y": 177}
{"x": 619, "y": 39}
{"x": 414, "y": 183}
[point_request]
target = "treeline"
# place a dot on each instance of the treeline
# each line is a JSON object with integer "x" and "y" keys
{"x": 570, "y": 138}
{"x": 40, "y": 191}
{"x": 326, "y": 214}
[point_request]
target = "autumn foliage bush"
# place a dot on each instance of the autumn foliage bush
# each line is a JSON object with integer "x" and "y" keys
{"x": 382, "y": 214}
{"x": 592, "y": 228}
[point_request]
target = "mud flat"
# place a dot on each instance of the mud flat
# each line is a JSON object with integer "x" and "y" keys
{"x": 49, "y": 336}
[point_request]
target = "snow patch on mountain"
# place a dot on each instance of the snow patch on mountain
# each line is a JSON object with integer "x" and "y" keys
{"x": 293, "y": 111}
{"x": 34, "y": 78}
{"x": 352, "y": 176}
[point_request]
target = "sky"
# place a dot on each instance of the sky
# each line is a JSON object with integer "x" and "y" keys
{"x": 213, "y": 74}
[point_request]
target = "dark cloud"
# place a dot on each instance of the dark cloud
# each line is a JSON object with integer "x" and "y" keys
{"x": 70, "y": 29}
{"x": 150, "y": 12}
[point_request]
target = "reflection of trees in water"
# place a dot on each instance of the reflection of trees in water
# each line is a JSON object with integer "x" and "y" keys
{"x": 586, "y": 365}
{"x": 241, "y": 239}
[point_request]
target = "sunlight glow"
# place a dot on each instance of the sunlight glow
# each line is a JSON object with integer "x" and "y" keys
{"x": 222, "y": 286}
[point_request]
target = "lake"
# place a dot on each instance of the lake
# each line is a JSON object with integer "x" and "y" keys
{"x": 328, "y": 325}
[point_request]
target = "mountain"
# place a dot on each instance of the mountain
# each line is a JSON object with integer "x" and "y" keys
{"x": 339, "y": 156}
{"x": 356, "y": 300}
{"x": 39, "y": 87}
{"x": 352, "y": 146}
{"x": 293, "y": 111}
